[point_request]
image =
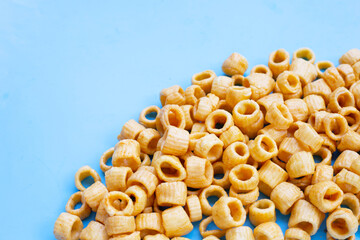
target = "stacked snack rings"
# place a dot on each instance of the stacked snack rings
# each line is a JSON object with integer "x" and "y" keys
{"x": 219, "y": 139}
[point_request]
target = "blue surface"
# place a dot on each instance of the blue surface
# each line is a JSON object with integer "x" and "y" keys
{"x": 73, "y": 72}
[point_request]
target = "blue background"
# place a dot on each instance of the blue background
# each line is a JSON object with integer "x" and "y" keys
{"x": 73, "y": 72}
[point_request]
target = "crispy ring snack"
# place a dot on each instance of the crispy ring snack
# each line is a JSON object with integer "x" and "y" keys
{"x": 126, "y": 207}
{"x": 220, "y": 168}
{"x": 209, "y": 147}
{"x": 321, "y": 66}
{"x": 117, "y": 225}
{"x": 289, "y": 85}
{"x": 193, "y": 94}
{"x": 145, "y": 179}
{"x": 326, "y": 196}
{"x": 350, "y": 141}
{"x": 240, "y": 233}
{"x": 171, "y": 194}
{"x": 279, "y": 61}
{"x": 228, "y": 212}
{"x": 304, "y": 69}
{"x": 246, "y": 197}
{"x": 83, "y": 173}
{"x": 148, "y": 140}
{"x": 211, "y": 237}
{"x": 296, "y": 234}
{"x": 156, "y": 237}
{"x": 285, "y": 195}
{"x": 218, "y": 122}
{"x": 233, "y": 134}
{"x": 300, "y": 164}
{"x": 139, "y": 197}
{"x": 149, "y": 224}
{"x": 268, "y": 231}
{"x": 262, "y": 211}
{"x": 204, "y": 80}
{"x": 329, "y": 237}
{"x": 220, "y": 86}
{"x": 271, "y": 175}
{"x": 325, "y": 155}
{"x": 278, "y": 135}
{"x": 212, "y": 190}
{"x": 333, "y": 78}
{"x": 263, "y": 148}
{"x": 82, "y": 212}
{"x": 348, "y": 74}
{"x": 145, "y": 159}
{"x": 235, "y": 94}
{"x": 235, "y": 64}
{"x": 175, "y": 141}
{"x": 342, "y": 223}
{"x": 304, "y": 53}
{"x": 94, "y": 195}
{"x": 348, "y": 181}
{"x": 189, "y": 118}
{"x": 205, "y": 233}
{"x": 193, "y": 208}
{"x": 104, "y": 158}
{"x": 261, "y": 69}
{"x": 170, "y": 115}
{"x": 260, "y": 85}
{"x": 147, "y": 122}
{"x": 172, "y": 95}
{"x": 132, "y": 236}
{"x": 130, "y": 130}
{"x": 315, "y": 103}
{"x": 94, "y": 230}
{"x": 199, "y": 172}
{"x": 318, "y": 87}
{"x": 176, "y": 222}
{"x": 116, "y": 178}
{"x": 340, "y": 98}
{"x": 322, "y": 173}
{"x": 248, "y": 117}
{"x": 353, "y": 203}
{"x": 169, "y": 168}
{"x": 350, "y": 57}
{"x": 266, "y": 101}
{"x": 298, "y": 109}
{"x": 306, "y": 135}
{"x": 306, "y": 216}
{"x": 68, "y": 226}
{"x": 127, "y": 154}
{"x": 244, "y": 177}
